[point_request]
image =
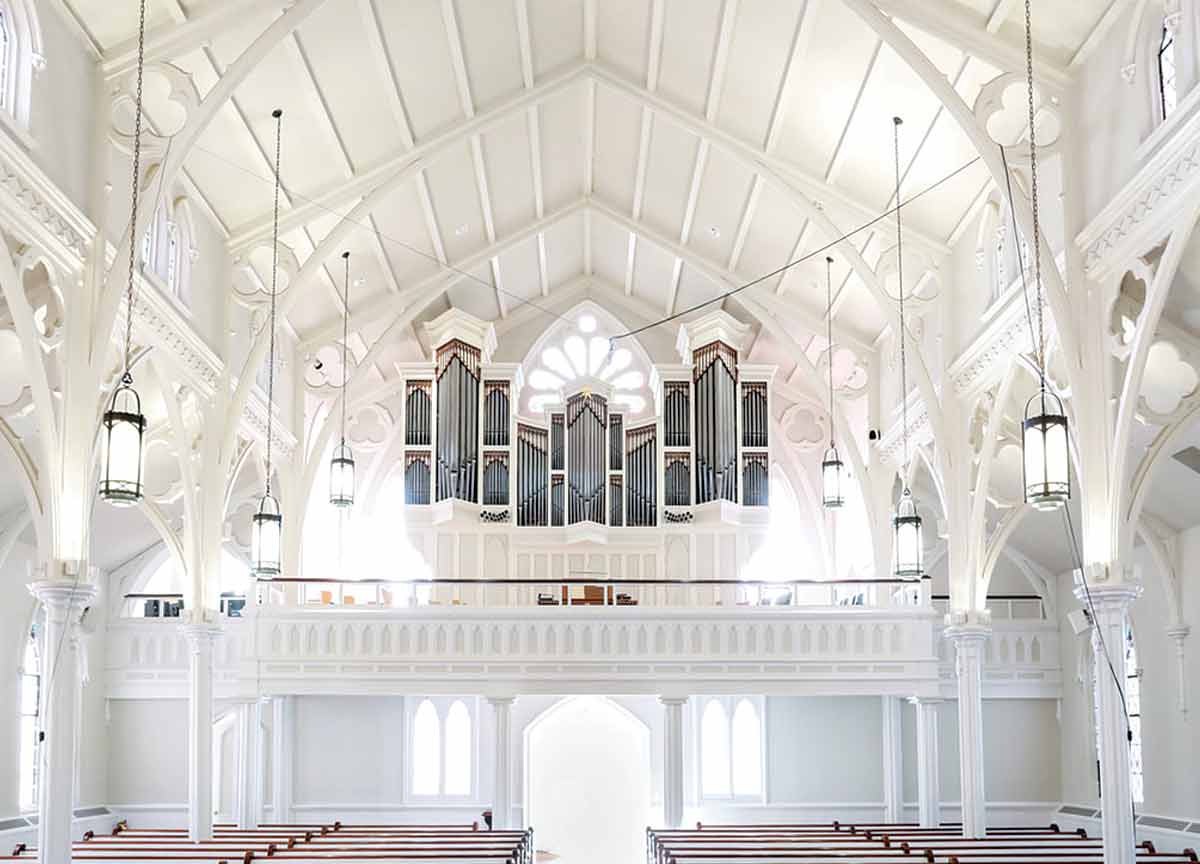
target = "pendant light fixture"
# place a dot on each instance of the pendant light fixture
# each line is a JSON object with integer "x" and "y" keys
{"x": 341, "y": 467}
{"x": 1044, "y": 439}
{"x": 907, "y": 551}
{"x": 831, "y": 466}
{"x": 124, "y": 423}
{"x": 266, "y": 525}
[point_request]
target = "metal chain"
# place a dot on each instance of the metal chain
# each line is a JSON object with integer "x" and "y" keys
{"x": 829, "y": 336}
{"x": 1033, "y": 194}
{"x": 345, "y": 343}
{"x": 127, "y": 378}
{"x": 896, "y": 121}
{"x": 274, "y": 277}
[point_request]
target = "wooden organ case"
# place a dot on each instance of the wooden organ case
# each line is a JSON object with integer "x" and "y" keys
{"x": 585, "y": 460}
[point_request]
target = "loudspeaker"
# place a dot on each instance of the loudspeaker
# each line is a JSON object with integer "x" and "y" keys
{"x": 1080, "y": 620}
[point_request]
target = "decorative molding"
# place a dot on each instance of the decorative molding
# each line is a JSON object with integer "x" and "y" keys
{"x": 1141, "y": 212}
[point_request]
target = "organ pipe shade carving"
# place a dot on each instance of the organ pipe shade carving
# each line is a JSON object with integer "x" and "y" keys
{"x": 756, "y": 480}
{"x": 616, "y": 502}
{"x": 533, "y": 474}
{"x": 715, "y": 381}
{"x": 416, "y": 478}
{"x": 458, "y": 421}
{"x": 616, "y": 442}
{"x": 587, "y": 442}
{"x": 495, "y": 479}
{"x": 557, "y": 443}
{"x": 754, "y": 414}
{"x": 495, "y": 413}
{"x": 677, "y": 480}
{"x": 556, "y": 501}
{"x": 641, "y": 476}
{"x": 418, "y": 405}
{"x": 676, "y": 414}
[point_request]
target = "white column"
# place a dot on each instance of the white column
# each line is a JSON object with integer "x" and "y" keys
{"x": 200, "y": 639}
{"x": 64, "y": 602}
{"x": 248, "y": 784}
{"x": 929, "y": 791}
{"x": 502, "y": 754}
{"x": 1178, "y": 635}
{"x": 282, "y": 755}
{"x": 1109, "y": 604}
{"x": 673, "y": 760}
{"x": 893, "y": 761}
{"x": 969, "y": 640}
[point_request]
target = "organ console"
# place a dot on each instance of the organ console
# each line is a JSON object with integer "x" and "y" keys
{"x": 586, "y": 458}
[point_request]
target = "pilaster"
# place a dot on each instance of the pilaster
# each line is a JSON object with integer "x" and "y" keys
{"x": 673, "y": 760}
{"x": 1178, "y": 634}
{"x": 928, "y": 777}
{"x": 200, "y": 638}
{"x": 893, "y": 761}
{"x": 969, "y": 638}
{"x": 502, "y": 754}
{"x": 64, "y": 602}
{"x": 1109, "y": 604}
{"x": 282, "y": 756}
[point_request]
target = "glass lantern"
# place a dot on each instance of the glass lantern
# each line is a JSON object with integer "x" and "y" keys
{"x": 1047, "y": 459}
{"x": 831, "y": 479}
{"x": 341, "y": 477}
{"x": 124, "y": 426}
{"x": 908, "y": 551}
{"x": 266, "y": 530}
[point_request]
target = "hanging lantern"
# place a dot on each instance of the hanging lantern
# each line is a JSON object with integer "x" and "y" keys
{"x": 1047, "y": 460}
{"x": 907, "y": 547}
{"x": 341, "y": 477}
{"x": 266, "y": 538}
{"x": 124, "y": 425}
{"x": 831, "y": 479}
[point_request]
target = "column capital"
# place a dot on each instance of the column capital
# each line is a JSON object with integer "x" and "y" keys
{"x": 968, "y": 632}
{"x": 63, "y": 598}
{"x": 1179, "y": 632}
{"x": 501, "y": 700}
{"x": 673, "y": 700}
{"x": 924, "y": 700}
{"x": 1108, "y": 597}
{"x": 200, "y": 637}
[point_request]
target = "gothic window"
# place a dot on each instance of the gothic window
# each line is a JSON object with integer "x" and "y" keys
{"x": 442, "y": 749}
{"x": 30, "y": 711}
{"x": 731, "y": 763}
{"x": 20, "y": 57}
{"x": 163, "y": 248}
{"x": 583, "y": 353}
{"x": 1167, "y": 92}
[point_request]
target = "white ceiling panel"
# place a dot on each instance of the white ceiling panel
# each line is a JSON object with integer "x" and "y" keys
{"x": 623, "y": 35}
{"x": 490, "y": 47}
{"x": 456, "y": 201}
{"x": 562, "y": 147}
{"x": 509, "y": 173}
{"x": 652, "y": 270}
{"x": 556, "y": 31}
{"x": 477, "y": 296}
{"x": 670, "y": 166}
{"x": 415, "y": 33}
{"x": 564, "y": 250}
{"x": 695, "y": 288}
{"x": 762, "y": 41}
{"x": 405, "y": 236}
{"x": 772, "y": 235}
{"x": 690, "y": 29}
{"x": 519, "y": 270}
{"x": 618, "y": 135}
{"x": 724, "y": 192}
{"x": 609, "y": 246}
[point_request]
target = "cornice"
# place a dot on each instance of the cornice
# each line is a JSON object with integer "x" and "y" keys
{"x": 36, "y": 211}
{"x": 1141, "y": 212}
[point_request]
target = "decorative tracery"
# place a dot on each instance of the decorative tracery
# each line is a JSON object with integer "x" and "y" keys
{"x": 585, "y": 353}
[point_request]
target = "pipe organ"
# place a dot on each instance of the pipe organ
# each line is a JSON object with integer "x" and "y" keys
{"x": 582, "y": 461}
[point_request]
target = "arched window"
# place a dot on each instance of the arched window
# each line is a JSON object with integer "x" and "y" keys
{"x": 747, "y": 750}
{"x": 1133, "y": 703}
{"x": 730, "y": 753}
{"x": 442, "y": 749}
{"x": 458, "y": 750}
{"x": 426, "y": 751}
{"x": 163, "y": 248}
{"x": 1168, "y": 95}
{"x": 714, "y": 751}
{"x": 30, "y": 712}
{"x": 20, "y": 58}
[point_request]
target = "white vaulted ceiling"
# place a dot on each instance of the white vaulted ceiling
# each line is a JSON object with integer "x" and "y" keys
{"x": 666, "y": 148}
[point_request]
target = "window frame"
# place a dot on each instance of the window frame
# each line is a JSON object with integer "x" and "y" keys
{"x": 27, "y": 796}
{"x": 441, "y": 706}
{"x": 729, "y": 705}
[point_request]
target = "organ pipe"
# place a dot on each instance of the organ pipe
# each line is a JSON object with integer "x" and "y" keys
{"x": 715, "y": 382}
{"x": 641, "y": 473}
{"x": 416, "y": 478}
{"x": 458, "y": 421}
{"x": 616, "y": 441}
{"x": 532, "y": 475}
{"x": 586, "y": 425}
{"x": 557, "y": 442}
{"x": 755, "y": 481}
{"x": 676, "y": 422}
{"x": 417, "y": 413}
{"x": 754, "y": 414}
{"x": 495, "y": 478}
{"x": 495, "y": 413}
{"x": 616, "y": 501}
{"x": 677, "y": 480}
